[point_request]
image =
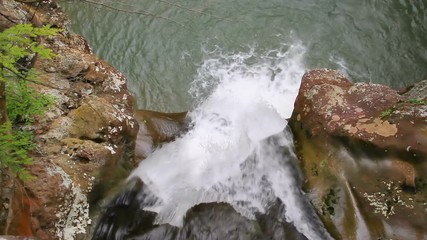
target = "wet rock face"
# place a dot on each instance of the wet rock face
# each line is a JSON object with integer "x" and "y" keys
{"x": 362, "y": 149}
{"x": 87, "y": 137}
{"x": 124, "y": 218}
{"x": 156, "y": 128}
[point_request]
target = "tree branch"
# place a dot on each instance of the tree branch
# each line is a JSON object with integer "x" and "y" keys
{"x": 35, "y": 11}
{"x": 23, "y": 78}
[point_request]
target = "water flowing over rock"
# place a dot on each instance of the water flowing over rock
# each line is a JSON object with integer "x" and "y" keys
{"x": 234, "y": 163}
{"x": 156, "y": 128}
{"x": 124, "y": 218}
{"x": 363, "y": 150}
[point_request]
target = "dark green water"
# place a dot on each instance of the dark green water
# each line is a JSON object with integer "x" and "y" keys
{"x": 369, "y": 40}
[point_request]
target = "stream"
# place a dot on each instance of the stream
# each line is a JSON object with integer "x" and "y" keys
{"x": 237, "y": 66}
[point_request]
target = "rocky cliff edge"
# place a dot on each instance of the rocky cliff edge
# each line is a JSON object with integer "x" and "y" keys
{"x": 89, "y": 131}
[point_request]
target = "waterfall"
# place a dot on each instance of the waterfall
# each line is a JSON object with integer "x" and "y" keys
{"x": 238, "y": 149}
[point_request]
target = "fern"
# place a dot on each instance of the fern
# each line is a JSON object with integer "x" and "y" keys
{"x": 18, "y": 42}
{"x": 23, "y": 102}
{"x": 14, "y": 147}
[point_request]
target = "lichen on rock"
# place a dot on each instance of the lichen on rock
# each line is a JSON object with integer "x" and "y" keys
{"x": 91, "y": 127}
{"x": 366, "y": 144}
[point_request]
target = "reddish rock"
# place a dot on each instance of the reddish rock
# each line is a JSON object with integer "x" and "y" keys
{"x": 21, "y": 210}
{"x": 87, "y": 137}
{"x": 363, "y": 152}
{"x": 16, "y": 238}
{"x": 329, "y": 104}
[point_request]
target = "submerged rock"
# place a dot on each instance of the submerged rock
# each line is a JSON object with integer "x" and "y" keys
{"x": 156, "y": 128}
{"x": 124, "y": 218}
{"x": 363, "y": 151}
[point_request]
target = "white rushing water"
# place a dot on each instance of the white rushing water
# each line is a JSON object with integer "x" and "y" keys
{"x": 235, "y": 149}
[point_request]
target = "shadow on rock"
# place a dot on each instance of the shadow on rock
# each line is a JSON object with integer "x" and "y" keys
{"x": 124, "y": 218}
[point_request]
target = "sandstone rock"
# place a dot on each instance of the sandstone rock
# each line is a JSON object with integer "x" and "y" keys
{"x": 87, "y": 137}
{"x": 329, "y": 104}
{"x": 59, "y": 128}
{"x": 85, "y": 150}
{"x": 90, "y": 118}
{"x": 95, "y": 73}
{"x": 79, "y": 43}
{"x": 12, "y": 13}
{"x": 72, "y": 65}
{"x": 33, "y": 201}
{"x": 363, "y": 153}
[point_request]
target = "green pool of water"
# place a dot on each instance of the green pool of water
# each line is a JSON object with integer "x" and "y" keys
{"x": 161, "y": 49}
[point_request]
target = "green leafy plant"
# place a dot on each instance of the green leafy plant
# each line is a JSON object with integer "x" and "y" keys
{"x": 14, "y": 147}
{"x": 18, "y": 42}
{"x": 24, "y": 103}
{"x": 19, "y": 101}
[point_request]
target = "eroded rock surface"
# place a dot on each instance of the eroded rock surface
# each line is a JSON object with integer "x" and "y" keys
{"x": 363, "y": 152}
{"x": 330, "y": 104}
{"x": 89, "y": 130}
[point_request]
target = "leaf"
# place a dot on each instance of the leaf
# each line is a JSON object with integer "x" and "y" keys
{"x": 23, "y": 102}
{"x": 13, "y": 149}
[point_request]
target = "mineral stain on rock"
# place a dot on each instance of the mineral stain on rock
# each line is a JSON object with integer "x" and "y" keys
{"x": 374, "y": 140}
{"x": 372, "y": 126}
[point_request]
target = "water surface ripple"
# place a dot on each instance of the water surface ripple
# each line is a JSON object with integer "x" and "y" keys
{"x": 373, "y": 41}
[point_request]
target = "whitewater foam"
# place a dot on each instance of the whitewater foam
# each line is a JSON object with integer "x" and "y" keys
{"x": 234, "y": 151}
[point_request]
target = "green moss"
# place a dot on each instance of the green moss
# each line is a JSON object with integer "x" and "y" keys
{"x": 323, "y": 163}
{"x": 417, "y": 101}
{"x": 386, "y": 113}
